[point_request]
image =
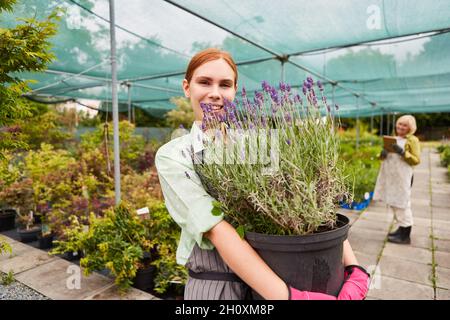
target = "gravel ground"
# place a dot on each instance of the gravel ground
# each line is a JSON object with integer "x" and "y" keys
{"x": 19, "y": 291}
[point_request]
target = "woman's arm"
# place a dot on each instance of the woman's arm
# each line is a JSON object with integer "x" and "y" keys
{"x": 348, "y": 256}
{"x": 412, "y": 151}
{"x": 246, "y": 263}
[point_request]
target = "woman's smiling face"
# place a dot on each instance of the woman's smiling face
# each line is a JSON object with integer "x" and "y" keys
{"x": 211, "y": 83}
{"x": 402, "y": 128}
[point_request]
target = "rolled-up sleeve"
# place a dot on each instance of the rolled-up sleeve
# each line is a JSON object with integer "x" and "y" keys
{"x": 186, "y": 200}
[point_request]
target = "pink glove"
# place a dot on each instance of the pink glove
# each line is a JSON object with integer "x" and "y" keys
{"x": 295, "y": 294}
{"x": 355, "y": 287}
{"x": 356, "y": 283}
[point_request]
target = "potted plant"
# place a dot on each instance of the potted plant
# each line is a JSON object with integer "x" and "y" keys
{"x": 19, "y": 195}
{"x": 116, "y": 242}
{"x": 273, "y": 166}
{"x": 28, "y": 231}
{"x": 45, "y": 238}
{"x": 70, "y": 242}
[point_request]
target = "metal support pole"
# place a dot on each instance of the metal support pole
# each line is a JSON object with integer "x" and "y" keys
{"x": 115, "y": 104}
{"x": 357, "y": 122}
{"x": 388, "y": 124}
{"x": 333, "y": 107}
{"x": 381, "y": 123}
{"x": 129, "y": 101}
{"x": 371, "y": 122}
{"x": 282, "y": 71}
{"x": 393, "y": 122}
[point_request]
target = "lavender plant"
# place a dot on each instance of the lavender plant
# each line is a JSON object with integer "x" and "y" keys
{"x": 273, "y": 163}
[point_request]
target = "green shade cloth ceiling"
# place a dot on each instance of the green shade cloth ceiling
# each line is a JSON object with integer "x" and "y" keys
{"x": 374, "y": 57}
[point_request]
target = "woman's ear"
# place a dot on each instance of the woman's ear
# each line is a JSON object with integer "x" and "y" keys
{"x": 186, "y": 89}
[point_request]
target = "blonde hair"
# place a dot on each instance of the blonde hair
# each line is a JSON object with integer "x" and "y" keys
{"x": 410, "y": 120}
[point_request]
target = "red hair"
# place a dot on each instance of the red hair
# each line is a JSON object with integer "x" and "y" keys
{"x": 207, "y": 55}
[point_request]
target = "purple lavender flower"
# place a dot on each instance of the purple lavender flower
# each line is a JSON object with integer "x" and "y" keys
{"x": 181, "y": 126}
{"x": 288, "y": 117}
{"x": 310, "y": 80}
{"x": 288, "y": 87}
{"x": 319, "y": 84}
{"x": 244, "y": 92}
{"x": 288, "y": 141}
{"x": 304, "y": 90}
{"x": 274, "y": 108}
{"x": 283, "y": 86}
{"x": 297, "y": 98}
{"x": 265, "y": 86}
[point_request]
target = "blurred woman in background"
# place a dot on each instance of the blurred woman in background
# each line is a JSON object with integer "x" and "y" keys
{"x": 395, "y": 178}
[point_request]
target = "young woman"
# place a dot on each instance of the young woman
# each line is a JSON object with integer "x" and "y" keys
{"x": 221, "y": 264}
{"x": 395, "y": 178}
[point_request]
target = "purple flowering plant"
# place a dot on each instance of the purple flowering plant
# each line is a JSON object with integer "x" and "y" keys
{"x": 272, "y": 160}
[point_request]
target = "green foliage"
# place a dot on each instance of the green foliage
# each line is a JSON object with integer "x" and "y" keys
{"x": 49, "y": 170}
{"x": 4, "y": 246}
{"x": 7, "y": 278}
{"x": 72, "y": 239}
{"x": 445, "y": 155}
{"x": 22, "y": 48}
{"x": 7, "y": 5}
{"x": 362, "y": 164}
{"x": 181, "y": 115}
{"x": 9, "y": 171}
{"x": 164, "y": 234}
{"x": 44, "y": 127}
{"x": 444, "y": 151}
{"x": 131, "y": 145}
{"x": 116, "y": 242}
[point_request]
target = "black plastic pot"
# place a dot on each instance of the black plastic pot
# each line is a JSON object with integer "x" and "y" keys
{"x": 310, "y": 262}
{"x": 45, "y": 242}
{"x": 37, "y": 218}
{"x": 29, "y": 235}
{"x": 144, "y": 278}
{"x": 71, "y": 256}
{"x": 7, "y": 219}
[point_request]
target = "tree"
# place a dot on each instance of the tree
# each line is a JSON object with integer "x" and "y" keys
{"x": 181, "y": 115}
{"x": 24, "y": 47}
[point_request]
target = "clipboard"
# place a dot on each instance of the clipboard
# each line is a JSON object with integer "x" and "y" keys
{"x": 388, "y": 142}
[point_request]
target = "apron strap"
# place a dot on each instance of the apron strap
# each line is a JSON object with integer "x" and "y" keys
{"x": 210, "y": 275}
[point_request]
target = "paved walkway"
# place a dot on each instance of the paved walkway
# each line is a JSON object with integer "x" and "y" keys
{"x": 420, "y": 270}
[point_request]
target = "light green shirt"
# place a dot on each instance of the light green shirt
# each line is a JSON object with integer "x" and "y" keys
{"x": 186, "y": 200}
